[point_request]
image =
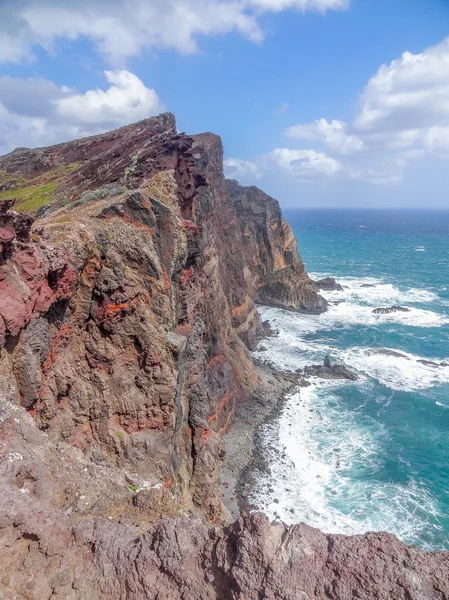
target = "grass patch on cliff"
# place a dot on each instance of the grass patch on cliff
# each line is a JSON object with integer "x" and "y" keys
{"x": 30, "y": 199}
{"x": 32, "y": 194}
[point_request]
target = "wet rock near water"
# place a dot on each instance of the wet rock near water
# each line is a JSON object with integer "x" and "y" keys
{"x": 390, "y": 309}
{"x": 329, "y": 285}
{"x": 329, "y": 371}
{"x": 431, "y": 363}
{"x": 385, "y": 352}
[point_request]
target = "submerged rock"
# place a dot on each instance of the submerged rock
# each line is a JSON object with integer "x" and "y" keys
{"x": 390, "y": 309}
{"x": 386, "y": 352}
{"x": 431, "y": 363}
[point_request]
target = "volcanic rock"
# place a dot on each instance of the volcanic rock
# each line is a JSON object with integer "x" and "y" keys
{"x": 329, "y": 285}
{"x": 329, "y": 371}
{"x": 390, "y": 309}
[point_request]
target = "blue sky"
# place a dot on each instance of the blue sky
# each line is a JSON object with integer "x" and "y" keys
{"x": 315, "y": 100}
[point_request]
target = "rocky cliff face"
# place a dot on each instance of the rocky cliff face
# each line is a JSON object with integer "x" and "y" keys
{"x": 273, "y": 269}
{"x": 126, "y": 314}
{"x": 127, "y": 310}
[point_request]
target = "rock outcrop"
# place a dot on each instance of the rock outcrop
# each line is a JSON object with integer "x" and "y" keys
{"x": 328, "y": 371}
{"x": 273, "y": 269}
{"x": 126, "y": 313}
{"x": 329, "y": 285}
{"x": 390, "y": 309}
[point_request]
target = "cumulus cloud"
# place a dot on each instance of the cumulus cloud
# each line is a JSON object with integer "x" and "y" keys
{"x": 120, "y": 29}
{"x": 304, "y": 164}
{"x": 237, "y": 168}
{"x": 35, "y": 112}
{"x": 402, "y": 115}
{"x": 303, "y": 5}
{"x": 334, "y": 134}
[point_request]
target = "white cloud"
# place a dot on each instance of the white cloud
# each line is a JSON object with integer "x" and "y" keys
{"x": 236, "y": 168}
{"x": 126, "y": 100}
{"x": 334, "y": 135}
{"x": 304, "y": 164}
{"x": 36, "y": 112}
{"x": 402, "y": 115}
{"x": 120, "y": 29}
{"x": 303, "y": 5}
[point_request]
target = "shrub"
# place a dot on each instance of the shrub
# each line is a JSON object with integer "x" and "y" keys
{"x": 99, "y": 194}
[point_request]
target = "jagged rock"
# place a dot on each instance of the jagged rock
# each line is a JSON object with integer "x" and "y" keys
{"x": 329, "y": 371}
{"x": 274, "y": 271}
{"x": 135, "y": 350}
{"x": 329, "y": 285}
{"x": 368, "y": 285}
{"x": 390, "y": 309}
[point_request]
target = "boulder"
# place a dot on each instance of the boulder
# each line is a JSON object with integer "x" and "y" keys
{"x": 329, "y": 285}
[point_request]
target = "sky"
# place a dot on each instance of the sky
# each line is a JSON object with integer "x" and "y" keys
{"x": 321, "y": 103}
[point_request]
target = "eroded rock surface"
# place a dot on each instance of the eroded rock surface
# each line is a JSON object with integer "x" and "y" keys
{"x": 273, "y": 269}
{"x": 329, "y": 285}
{"x": 126, "y": 314}
{"x": 127, "y": 311}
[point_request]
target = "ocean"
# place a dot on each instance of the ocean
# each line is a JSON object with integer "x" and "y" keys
{"x": 370, "y": 455}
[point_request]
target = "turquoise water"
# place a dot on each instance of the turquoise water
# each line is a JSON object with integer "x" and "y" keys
{"x": 373, "y": 454}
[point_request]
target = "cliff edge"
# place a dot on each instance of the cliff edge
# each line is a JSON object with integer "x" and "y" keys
{"x": 127, "y": 311}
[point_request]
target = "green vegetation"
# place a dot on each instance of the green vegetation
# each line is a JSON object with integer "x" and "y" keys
{"x": 11, "y": 178}
{"x": 133, "y": 488}
{"x": 130, "y": 170}
{"x": 31, "y": 198}
{"x": 120, "y": 435}
{"x": 33, "y": 194}
{"x": 98, "y": 194}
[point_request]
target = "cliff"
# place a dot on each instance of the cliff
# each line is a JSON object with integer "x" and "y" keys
{"x": 126, "y": 313}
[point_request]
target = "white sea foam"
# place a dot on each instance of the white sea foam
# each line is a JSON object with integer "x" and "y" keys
{"x": 404, "y": 372}
{"x": 291, "y": 350}
{"x": 322, "y": 471}
{"x": 345, "y": 316}
{"x": 323, "y": 457}
{"x": 382, "y": 294}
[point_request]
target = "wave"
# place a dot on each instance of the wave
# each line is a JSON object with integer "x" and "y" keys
{"x": 400, "y": 371}
{"x": 374, "y": 292}
{"x": 396, "y": 369}
{"x": 345, "y": 316}
{"x": 324, "y": 470}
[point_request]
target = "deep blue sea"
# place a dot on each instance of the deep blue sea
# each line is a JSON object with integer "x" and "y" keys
{"x": 370, "y": 455}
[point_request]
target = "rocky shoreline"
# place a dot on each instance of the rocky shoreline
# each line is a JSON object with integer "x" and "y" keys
{"x": 243, "y": 449}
